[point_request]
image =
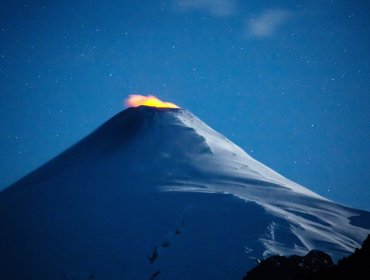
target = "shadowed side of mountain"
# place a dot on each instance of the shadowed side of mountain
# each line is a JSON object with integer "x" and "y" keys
{"x": 119, "y": 132}
{"x": 114, "y": 235}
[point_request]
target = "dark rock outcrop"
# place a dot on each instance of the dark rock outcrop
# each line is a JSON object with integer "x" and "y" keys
{"x": 315, "y": 265}
{"x": 292, "y": 267}
{"x": 355, "y": 266}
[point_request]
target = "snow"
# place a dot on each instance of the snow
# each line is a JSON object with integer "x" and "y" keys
{"x": 157, "y": 194}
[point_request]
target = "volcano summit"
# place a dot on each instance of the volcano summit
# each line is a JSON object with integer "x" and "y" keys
{"x": 155, "y": 193}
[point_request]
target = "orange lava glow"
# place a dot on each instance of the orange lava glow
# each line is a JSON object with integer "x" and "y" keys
{"x": 136, "y": 100}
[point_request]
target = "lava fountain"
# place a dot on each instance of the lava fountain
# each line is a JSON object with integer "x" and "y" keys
{"x": 135, "y": 100}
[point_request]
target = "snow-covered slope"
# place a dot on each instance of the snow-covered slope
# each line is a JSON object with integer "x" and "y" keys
{"x": 157, "y": 194}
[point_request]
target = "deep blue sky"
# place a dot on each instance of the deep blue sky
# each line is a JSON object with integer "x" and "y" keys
{"x": 287, "y": 82}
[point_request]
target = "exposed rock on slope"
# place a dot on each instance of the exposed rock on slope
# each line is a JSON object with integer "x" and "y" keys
{"x": 315, "y": 265}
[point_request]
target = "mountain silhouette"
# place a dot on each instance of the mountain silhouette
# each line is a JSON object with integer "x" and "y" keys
{"x": 154, "y": 193}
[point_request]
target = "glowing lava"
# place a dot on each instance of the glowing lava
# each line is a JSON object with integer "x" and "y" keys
{"x": 136, "y": 100}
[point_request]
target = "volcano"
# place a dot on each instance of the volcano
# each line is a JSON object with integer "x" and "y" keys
{"x": 154, "y": 193}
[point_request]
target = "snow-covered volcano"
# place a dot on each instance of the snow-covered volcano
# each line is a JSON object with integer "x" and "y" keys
{"x": 157, "y": 194}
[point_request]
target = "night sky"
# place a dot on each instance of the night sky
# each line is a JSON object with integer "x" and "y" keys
{"x": 288, "y": 81}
